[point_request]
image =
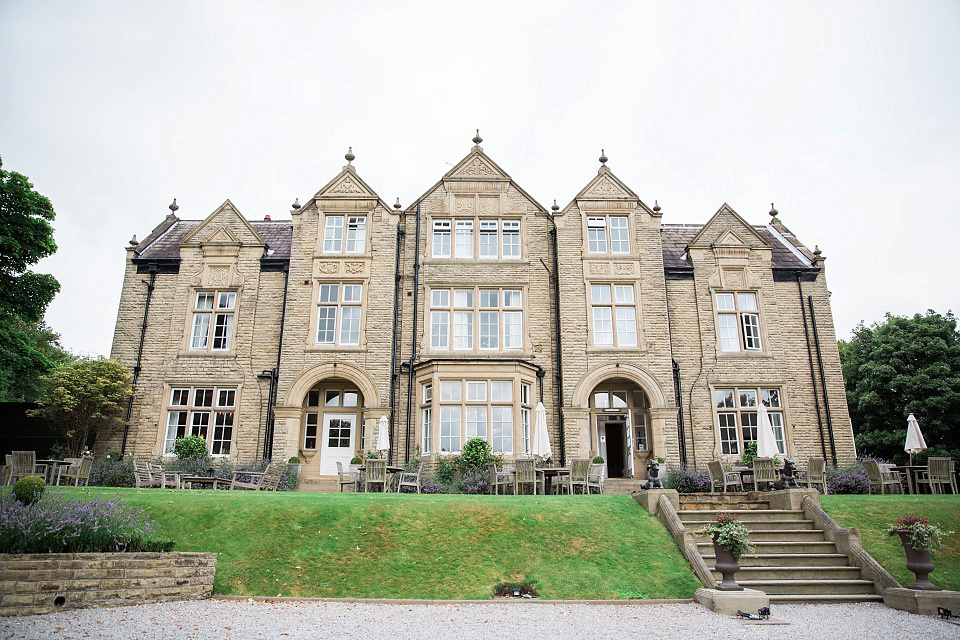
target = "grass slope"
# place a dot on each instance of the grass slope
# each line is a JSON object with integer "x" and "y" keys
{"x": 424, "y": 547}
{"x": 873, "y": 515}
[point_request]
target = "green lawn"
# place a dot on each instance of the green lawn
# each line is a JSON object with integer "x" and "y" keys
{"x": 424, "y": 547}
{"x": 872, "y": 516}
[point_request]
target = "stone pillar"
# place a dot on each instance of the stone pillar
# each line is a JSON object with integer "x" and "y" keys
{"x": 286, "y": 433}
{"x": 576, "y": 426}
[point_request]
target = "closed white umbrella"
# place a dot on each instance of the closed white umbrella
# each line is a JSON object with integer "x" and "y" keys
{"x": 383, "y": 435}
{"x": 915, "y": 442}
{"x": 766, "y": 441}
{"x": 541, "y": 440}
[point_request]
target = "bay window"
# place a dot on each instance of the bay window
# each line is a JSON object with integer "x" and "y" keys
{"x": 736, "y": 410}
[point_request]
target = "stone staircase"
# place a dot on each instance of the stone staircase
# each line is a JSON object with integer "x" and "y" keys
{"x": 622, "y": 486}
{"x": 793, "y": 561}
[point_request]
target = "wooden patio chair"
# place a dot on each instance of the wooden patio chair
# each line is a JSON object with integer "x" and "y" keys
{"x": 880, "y": 479}
{"x": 525, "y": 474}
{"x": 266, "y": 480}
{"x": 345, "y": 479}
{"x": 579, "y": 471}
{"x": 409, "y": 479}
{"x": 376, "y": 473}
{"x": 816, "y": 474}
{"x": 76, "y": 472}
{"x": 143, "y": 475}
{"x": 499, "y": 478}
{"x": 953, "y": 477}
{"x": 937, "y": 476}
{"x": 764, "y": 475}
{"x": 722, "y": 479}
{"x": 23, "y": 464}
{"x": 595, "y": 478}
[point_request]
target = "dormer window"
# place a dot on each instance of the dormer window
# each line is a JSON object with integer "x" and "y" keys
{"x": 333, "y": 234}
{"x": 608, "y": 231}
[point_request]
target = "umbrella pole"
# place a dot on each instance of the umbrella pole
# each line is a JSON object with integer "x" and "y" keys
{"x": 911, "y": 459}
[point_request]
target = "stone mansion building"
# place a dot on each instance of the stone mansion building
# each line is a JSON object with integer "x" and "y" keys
{"x": 455, "y": 316}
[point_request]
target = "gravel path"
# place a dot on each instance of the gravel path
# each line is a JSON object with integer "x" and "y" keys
{"x": 222, "y": 620}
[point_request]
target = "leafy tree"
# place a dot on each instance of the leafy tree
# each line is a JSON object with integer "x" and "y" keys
{"x": 902, "y": 366}
{"x": 85, "y": 398}
{"x": 26, "y": 237}
{"x": 28, "y": 348}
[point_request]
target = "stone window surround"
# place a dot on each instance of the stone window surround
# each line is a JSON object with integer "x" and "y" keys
{"x": 764, "y": 351}
{"x": 749, "y": 386}
{"x": 450, "y": 349}
{"x": 345, "y": 214}
{"x": 518, "y": 373}
{"x": 311, "y": 337}
{"x": 630, "y": 215}
{"x": 208, "y": 351}
{"x": 592, "y": 345}
{"x": 476, "y": 219}
{"x": 166, "y": 407}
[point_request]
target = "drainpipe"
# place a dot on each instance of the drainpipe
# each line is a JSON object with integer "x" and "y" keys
{"x": 556, "y": 328}
{"x": 393, "y": 345}
{"x": 813, "y": 376}
{"x": 681, "y": 431}
{"x": 413, "y": 348}
{"x": 136, "y": 369}
{"x": 275, "y": 374}
{"x": 823, "y": 382}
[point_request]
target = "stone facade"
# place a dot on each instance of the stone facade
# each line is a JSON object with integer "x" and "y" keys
{"x": 456, "y": 316}
{"x": 45, "y": 582}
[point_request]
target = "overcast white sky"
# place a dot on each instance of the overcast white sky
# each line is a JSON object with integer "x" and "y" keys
{"x": 845, "y": 114}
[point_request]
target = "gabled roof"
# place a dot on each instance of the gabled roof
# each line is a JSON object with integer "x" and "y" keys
{"x": 228, "y": 207}
{"x": 348, "y": 185}
{"x": 475, "y": 166}
{"x": 676, "y": 238}
{"x": 607, "y": 186}
{"x": 726, "y": 209}
{"x": 277, "y": 235}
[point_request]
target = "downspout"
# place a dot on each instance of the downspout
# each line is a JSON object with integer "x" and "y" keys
{"x": 556, "y": 328}
{"x": 275, "y": 378}
{"x": 823, "y": 382}
{"x": 413, "y": 348}
{"x": 813, "y": 376}
{"x": 136, "y": 369}
{"x": 681, "y": 431}
{"x": 393, "y": 343}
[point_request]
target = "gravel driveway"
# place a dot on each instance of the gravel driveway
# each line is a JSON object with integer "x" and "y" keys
{"x": 222, "y": 620}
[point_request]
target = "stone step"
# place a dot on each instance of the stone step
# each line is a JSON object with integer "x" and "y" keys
{"x": 758, "y": 525}
{"x": 794, "y": 573}
{"x": 744, "y": 515}
{"x": 824, "y": 598}
{"x": 786, "y": 559}
{"x": 709, "y": 505}
{"x": 325, "y": 484}
{"x": 777, "y": 535}
{"x": 784, "y": 547}
{"x": 621, "y": 486}
{"x": 808, "y": 587}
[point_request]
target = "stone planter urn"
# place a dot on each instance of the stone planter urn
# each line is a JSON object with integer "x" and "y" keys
{"x": 918, "y": 561}
{"x": 727, "y": 566}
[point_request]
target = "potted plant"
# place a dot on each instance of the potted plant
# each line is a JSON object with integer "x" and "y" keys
{"x": 918, "y": 537}
{"x": 730, "y": 542}
{"x": 293, "y": 464}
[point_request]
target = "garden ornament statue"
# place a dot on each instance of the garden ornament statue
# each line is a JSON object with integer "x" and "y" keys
{"x": 654, "y": 481}
{"x": 789, "y": 475}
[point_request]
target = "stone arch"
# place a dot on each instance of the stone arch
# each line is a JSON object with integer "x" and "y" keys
{"x": 298, "y": 391}
{"x": 581, "y": 393}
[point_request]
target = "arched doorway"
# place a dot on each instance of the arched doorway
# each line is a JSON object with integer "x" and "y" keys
{"x": 619, "y": 426}
{"x": 332, "y": 425}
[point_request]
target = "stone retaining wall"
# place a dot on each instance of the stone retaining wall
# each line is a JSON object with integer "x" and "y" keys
{"x": 41, "y": 583}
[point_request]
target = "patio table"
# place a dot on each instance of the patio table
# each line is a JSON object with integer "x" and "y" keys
{"x": 549, "y": 473}
{"x": 391, "y": 475}
{"x": 911, "y": 472}
{"x": 214, "y": 482}
{"x": 52, "y": 471}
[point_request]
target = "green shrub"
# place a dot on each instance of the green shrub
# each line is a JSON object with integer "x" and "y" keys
{"x": 190, "y": 448}
{"x": 29, "y": 489}
{"x": 749, "y": 453}
{"x": 476, "y": 456}
{"x": 598, "y": 460}
{"x": 293, "y": 460}
{"x": 446, "y": 471}
{"x": 59, "y": 451}
{"x": 356, "y": 460}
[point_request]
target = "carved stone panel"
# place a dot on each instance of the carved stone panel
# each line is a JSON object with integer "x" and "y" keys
{"x": 477, "y": 167}
{"x": 464, "y": 205}
{"x": 599, "y": 268}
{"x": 328, "y": 268}
{"x": 490, "y": 206}
{"x": 354, "y": 267}
{"x": 623, "y": 268}
{"x": 218, "y": 276}
{"x": 348, "y": 186}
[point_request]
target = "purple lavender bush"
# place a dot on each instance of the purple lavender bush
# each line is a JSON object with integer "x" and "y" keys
{"x": 54, "y": 524}
{"x": 114, "y": 470}
{"x": 849, "y": 479}
{"x": 687, "y": 480}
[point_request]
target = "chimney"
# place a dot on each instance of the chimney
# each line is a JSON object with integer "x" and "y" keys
{"x": 266, "y": 218}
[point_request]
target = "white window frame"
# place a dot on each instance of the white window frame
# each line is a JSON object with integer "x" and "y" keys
{"x": 616, "y": 307}
{"x": 477, "y": 238}
{"x": 344, "y": 234}
{"x": 474, "y": 408}
{"x": 608, "y": 234}
{"x": 466, "y": 314}
{"x": 738, "y": 312}
{"x": 207, "y": 411}
{"x": 736, "y": 416}
{"x": 339, "y": 314}
{"x": 212, "y": 327}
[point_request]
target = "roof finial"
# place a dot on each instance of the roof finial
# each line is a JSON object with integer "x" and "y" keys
{"x": 656, "y": 206}
{"x": 173, "y": 207}
{"x": 773, "y": 211}
{"x": 349, "y": 155}
{"x": 555, "y": 206}
{"x": 603, "y": 157}
{"x": 477, "y": 139}
{"x": 397, "y": 205}
{"x": 296, "y": 203}
{"x": 133, "y": 241}
{"x": 816, "y": 250}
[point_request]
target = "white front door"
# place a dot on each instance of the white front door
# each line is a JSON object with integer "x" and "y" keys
{"x": 338, "y": 441}
{"x": 628, "y": 429}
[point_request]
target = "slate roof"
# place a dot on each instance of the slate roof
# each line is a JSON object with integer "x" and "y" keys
{"x": 278, "y": 235}
{"x": 676, "y": 237}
